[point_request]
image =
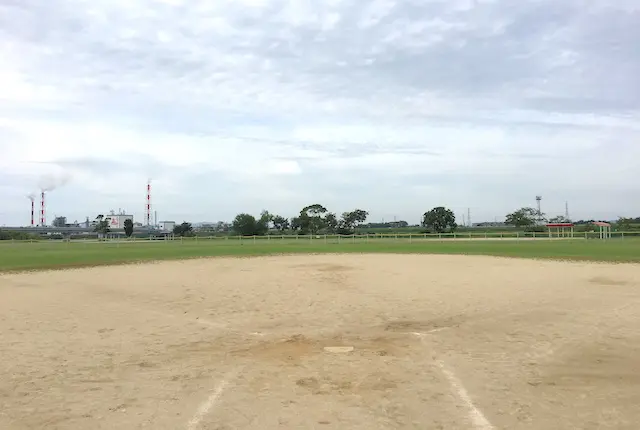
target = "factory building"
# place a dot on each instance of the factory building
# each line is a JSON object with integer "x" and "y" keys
{"x": 166, "y": 225}
{"x": 116, "y": 221}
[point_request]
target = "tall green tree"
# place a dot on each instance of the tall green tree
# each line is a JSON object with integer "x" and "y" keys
{"x": 184, "y": 229}
{"x": 311, "y": 219}
{"x": 128, "y": 227}
{"x": 331, "y": 223}
{"x": 351, "y": 220}
{"x": 439, "y": 220}
{"x": 295, "y": 224}
{"x": 625, "y": 224}
{"x": 280, "y": 223}
{"x": 523, "y": 217}
{"x": 246, "y": 224}
{"x": 264, "y": 222}
{"x": 102, "y": 225}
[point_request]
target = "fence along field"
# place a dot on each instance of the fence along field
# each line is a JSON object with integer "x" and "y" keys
{"x": 29, "y": 255}
{"x": 334, "y": 238}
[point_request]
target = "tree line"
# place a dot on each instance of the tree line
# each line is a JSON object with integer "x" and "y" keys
{"x": 312, "y": 219}
{"x": 17, "y": 235}
{"x": 317, "y": 219}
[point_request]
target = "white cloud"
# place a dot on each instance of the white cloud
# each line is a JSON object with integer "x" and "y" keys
{"x": 396, "y": 106}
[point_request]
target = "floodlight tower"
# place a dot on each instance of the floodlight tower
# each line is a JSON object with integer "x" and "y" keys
{"x": 538, "y": 201}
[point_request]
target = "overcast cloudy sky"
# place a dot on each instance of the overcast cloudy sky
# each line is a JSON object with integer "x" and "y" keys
{"x": 390, "y": 106}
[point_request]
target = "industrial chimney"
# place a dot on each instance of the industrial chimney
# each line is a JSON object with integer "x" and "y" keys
{"x": 42, "y": 217}
{"x": 33, "y": 208}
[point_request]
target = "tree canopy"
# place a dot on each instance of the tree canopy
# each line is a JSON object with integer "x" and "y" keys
{"x": 184, "y": 229}
{"x": 247, "y": 225}
{"x": 439, "y": 220}
{"x": 312, "y": 219}
{"x": 351, "y": 220}
{"x": 523, "y": 217}
{"x": 102, "y": 225}
{"x": 280, "y": 223}
{"x": 559, "y": 219}
{"x": 128, "y": 227}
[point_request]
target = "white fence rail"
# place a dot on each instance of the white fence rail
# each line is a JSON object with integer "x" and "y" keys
{"x": 361, "y": 238}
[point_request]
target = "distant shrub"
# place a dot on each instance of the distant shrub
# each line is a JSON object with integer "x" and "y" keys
{"x": 17, "y": 235}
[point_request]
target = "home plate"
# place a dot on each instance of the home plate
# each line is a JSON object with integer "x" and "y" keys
{"x": 338, "y": 349}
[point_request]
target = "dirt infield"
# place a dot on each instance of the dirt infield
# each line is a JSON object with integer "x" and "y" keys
{"x": 434, "y": 342}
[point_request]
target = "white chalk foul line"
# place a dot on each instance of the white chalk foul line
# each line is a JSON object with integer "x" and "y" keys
{"x": 480, "y": 422}
{"x": 210, "y": 323}
{"x": 211, "y": 401}
{"x": 225, "y": 327}
{"x": 435, "y": 330}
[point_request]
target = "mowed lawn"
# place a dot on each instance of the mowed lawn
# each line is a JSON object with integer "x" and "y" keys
{"x": 16, "y": 256}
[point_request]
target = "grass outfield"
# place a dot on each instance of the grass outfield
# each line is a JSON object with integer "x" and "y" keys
{"x": 50, "y": 255}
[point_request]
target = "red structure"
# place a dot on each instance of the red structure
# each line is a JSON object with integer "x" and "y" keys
{"x": 149, "y": 203}
{"x": 561, "y": 229}
{"x": 42, "y": 217}
{"x": 33, "y": 208}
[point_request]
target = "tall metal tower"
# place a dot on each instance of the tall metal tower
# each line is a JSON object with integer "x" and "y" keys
{"x": 538, "y": 201}
{"x": 566, "y": 210}
{"x": 148, "y": 203}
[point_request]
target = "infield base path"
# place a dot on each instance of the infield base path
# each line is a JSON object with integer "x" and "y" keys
{"x": 438, "y": 342}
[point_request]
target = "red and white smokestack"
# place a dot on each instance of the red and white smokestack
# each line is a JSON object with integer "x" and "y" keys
{"x": 149, "y": 203}
{"x": 33, "y": 210}
{"x": 42, "y": 218}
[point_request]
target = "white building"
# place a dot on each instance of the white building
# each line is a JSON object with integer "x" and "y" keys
{"x": 116, "y": 221}
{"x": 166, "y": 225}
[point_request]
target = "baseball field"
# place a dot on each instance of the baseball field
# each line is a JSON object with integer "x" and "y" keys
{"x": 312, "y": 335}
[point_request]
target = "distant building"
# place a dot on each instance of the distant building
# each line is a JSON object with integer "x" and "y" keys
{"x": 116, "y": 221}
{"x": 166, "y": 225}
{"x": 489, "y": 224}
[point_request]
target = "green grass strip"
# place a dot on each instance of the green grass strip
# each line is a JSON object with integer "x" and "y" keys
{"x": 17, "y": 256}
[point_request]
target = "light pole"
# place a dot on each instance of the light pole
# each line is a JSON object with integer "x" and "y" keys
{"x": 538, "y": 201}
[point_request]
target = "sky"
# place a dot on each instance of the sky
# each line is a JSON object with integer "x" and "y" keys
{"x": 394, "y": 107}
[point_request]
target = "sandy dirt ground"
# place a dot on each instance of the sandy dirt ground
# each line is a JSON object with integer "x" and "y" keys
{"x": 439, "y": 342}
